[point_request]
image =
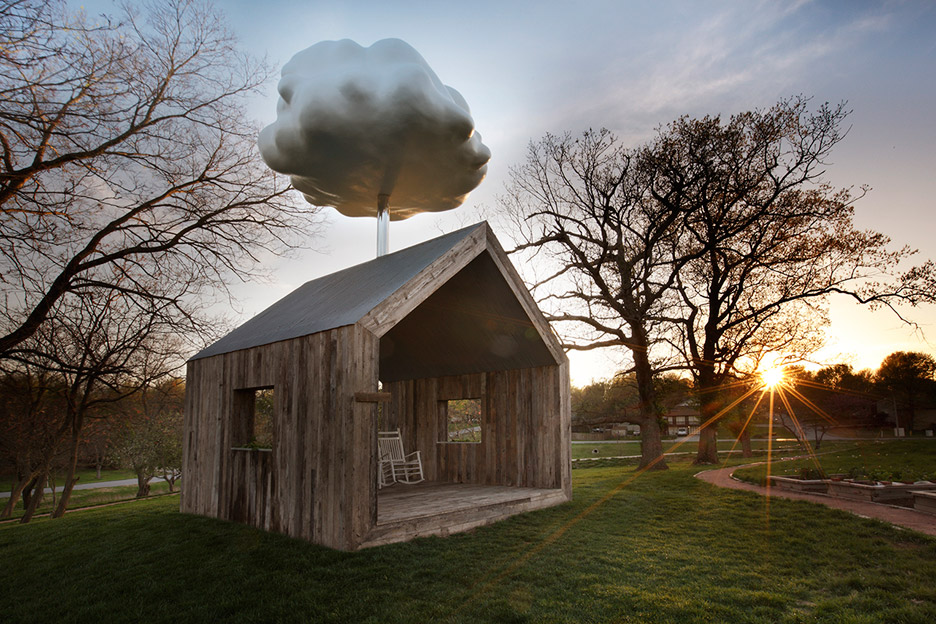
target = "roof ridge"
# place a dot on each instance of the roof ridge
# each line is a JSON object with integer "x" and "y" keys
{"x": 337, "y": 299}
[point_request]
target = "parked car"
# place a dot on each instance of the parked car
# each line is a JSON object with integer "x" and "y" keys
{"x": 682, "y": 431}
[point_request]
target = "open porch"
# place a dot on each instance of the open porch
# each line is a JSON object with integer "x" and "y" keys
{"x": 408, "y": 511}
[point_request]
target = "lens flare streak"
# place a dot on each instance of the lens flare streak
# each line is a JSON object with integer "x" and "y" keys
{"x": 774, "y": 383}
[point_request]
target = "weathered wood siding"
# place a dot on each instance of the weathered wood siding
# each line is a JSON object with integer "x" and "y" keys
{"x": 525, "y": 430}
{"x": 320, "y": 483}
{"x": 252, "y": 488}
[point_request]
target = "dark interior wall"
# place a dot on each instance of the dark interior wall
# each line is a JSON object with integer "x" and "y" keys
{"x": 522, "y": 439}
{"x": 473, "y": 323}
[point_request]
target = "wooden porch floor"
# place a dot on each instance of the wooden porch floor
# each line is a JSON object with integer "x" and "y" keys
{"x": 408, "y": 511}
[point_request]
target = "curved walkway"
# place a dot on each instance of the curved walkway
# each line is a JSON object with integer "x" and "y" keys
{"x": 900, "y": 516}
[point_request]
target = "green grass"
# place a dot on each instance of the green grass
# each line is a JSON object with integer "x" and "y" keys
{"x": 85, "y": 476}
{"x": 91, "y": 498}
{"x": 891, "y": 460}
{"x": 616, "y": 449}
{"x": 658, "y": 547}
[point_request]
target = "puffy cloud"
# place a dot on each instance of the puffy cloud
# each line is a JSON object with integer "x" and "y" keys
{"x": 355, "y": 122}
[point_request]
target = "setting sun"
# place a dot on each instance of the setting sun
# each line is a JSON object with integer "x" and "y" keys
{"x": 772, "y": 376}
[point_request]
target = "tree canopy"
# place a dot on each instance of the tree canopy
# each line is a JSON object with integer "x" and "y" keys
{"x": 127, "y": 162}
{"x": 909, "y": 377}
{"x": 707, "y": 248}
{"x": 132, "y": 194}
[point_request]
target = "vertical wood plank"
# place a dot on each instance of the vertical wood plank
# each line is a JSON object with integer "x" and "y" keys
{"x": 319, "y": 483}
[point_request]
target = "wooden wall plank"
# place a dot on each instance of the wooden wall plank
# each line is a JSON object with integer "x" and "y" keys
{"x": 319, "y": 482}
{"x": 521, "y": 443}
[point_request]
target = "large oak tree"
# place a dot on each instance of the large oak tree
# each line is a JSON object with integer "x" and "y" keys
{"x": 582, "y": 210}
{"x": 770, "y": 241}
{"x": 127, "y": 159}
{"x": 717, "y": 242}
{"x": 132, "y": 194}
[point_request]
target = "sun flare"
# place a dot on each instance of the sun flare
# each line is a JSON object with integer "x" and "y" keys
{"x": 772, "y": 377}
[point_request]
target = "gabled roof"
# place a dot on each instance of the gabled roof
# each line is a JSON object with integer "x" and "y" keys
{"x": 381, "y": 293}
{"x": 337, "y": 299}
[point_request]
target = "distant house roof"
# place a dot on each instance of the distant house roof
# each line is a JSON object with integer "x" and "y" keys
{"x": 683, "y": 410}
{"x": 339, "y": 299}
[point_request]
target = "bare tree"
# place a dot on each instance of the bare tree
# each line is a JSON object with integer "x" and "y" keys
{"x": 126, "y": 158}
{"x": 582, "y": 209}
{"x": 103, "y": 348}
{"x": 32, "y": 409}
{"x": 149, "y": 441}
{"x": 769, "y": 241}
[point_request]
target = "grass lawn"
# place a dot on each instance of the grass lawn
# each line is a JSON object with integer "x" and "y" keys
{"x": 581, "y": 450}
{"x": 891, "y": 460}
{"x": 96, "y": 496}
{"x": 658, "y": 547}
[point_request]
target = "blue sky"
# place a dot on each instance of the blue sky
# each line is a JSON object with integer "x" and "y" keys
{"x": 527, "y": 68}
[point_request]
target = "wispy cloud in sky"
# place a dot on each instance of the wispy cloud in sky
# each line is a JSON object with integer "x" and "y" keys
{"x": 723, "y": 61}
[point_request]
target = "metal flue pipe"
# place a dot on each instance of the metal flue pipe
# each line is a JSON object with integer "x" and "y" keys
{"x": 383, "y": 224}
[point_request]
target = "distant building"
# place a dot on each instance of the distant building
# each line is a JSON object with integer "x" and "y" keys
{"x": 683, "y": 415}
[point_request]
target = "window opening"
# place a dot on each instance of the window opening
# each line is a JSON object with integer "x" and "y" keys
{"x": 253, "y": 426}
{"x": 263, "y": 418}
{"x": 463, "y": 420}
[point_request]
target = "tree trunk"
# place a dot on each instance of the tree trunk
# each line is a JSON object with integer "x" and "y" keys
{"x": 171, "y": 476}
{"x": 18, "y": 491}
{"x": 746, "y": 450}
{"x": 70, "y": 478}
{"x": 34, "y": 497}
{"x": 34, "y": 488}
{"x": 709, "y": 406}
{"x": 30, "y": 486}
{"x": 143, "y": 486}
{"x": 708, "y": 446}
{"x": 651, "y": 445}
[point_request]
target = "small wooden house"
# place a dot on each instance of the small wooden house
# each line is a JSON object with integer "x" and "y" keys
{"x": 401, "y": 341}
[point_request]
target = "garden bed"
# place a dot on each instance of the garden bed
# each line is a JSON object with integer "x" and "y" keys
{"x": 877, "y": 492}
{"x": 924, "y": 501}
{"x": 920, "y": 495}
{"x": 799, "y": 484}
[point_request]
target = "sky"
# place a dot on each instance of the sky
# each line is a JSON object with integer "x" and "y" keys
{"x": 531, "y": 68}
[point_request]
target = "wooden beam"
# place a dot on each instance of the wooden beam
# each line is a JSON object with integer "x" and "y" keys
{"x": 394, "y": 308}
{"x": 515, "y": 282}
{"x": 372, "y": 397}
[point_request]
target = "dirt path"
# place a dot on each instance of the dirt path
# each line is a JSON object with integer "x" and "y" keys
{"x": 900, "y": 516}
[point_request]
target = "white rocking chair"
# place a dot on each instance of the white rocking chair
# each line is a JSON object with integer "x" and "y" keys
{"x": 394, "y": 466}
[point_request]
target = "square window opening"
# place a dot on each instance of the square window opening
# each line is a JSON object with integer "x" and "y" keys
{"x": 462, "y": 420}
